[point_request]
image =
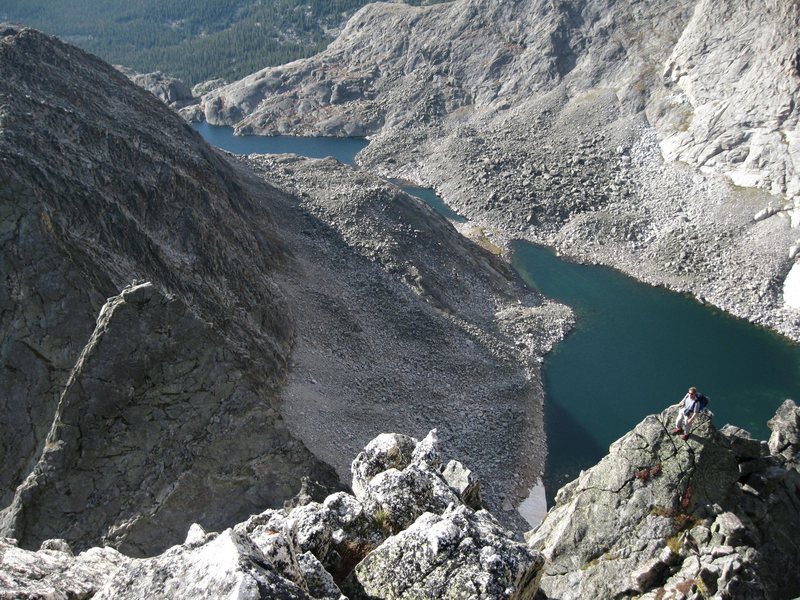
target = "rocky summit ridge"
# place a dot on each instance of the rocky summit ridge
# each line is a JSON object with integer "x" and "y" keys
{"x": 711, "y": 517}
{"x": 412, "y": 528}
{"x": 658, "y": 137}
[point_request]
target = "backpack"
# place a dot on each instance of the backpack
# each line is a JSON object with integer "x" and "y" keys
{"x": 702, "y": 402}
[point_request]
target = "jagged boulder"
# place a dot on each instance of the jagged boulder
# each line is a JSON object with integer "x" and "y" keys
{"x": 387, "y": 451}
{"x": 458, "y": 554}
{"x": 54, "y": 572}
{"x": 338, "y": 531}
{"x": 320, "y": 583}
{"x": 463, "y": 481}
{"x": 713, "y": 516}
{"x": 785, "y": 438}
{"x": 397, "y": 479}
{"x": 228, "y": 566}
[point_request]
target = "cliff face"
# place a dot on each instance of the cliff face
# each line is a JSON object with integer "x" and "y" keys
{"x": 715, "y": 516}
{"x": 178, "y": 332}
{"x": 572, "y": 123}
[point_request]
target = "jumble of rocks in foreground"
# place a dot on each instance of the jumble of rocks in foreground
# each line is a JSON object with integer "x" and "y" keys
{"x": 715, "y": 516}
{"x": 413, "y": 528}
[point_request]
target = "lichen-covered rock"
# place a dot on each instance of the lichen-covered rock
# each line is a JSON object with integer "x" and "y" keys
{"x": 463, "y": 482}
{"x": 229, "y": 566}
{"x": 785, "y": 437}
{"x": 386, "y": 451}
{"x": 308, "y": 551}
{"x": 319, "y": 582}
{"x": 401, "y": 478}
{"x": 659, "y": 516}
{"x": 53, "y": 572}
{"x": 338, "y": 531}
{"x": 397, "y": 498}
{"x": 744, "y": 446}
{"x": 458, "y": 554}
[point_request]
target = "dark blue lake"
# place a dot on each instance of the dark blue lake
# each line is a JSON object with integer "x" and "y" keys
{"x": 635, "y": 348}
{"x": 342, "y": 149}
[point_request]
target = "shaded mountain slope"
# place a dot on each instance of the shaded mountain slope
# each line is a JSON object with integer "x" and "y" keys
{"x": 102, "y": 186}
{"x": 225, "y": 301}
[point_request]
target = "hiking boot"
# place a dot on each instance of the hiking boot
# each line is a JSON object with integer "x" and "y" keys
{"x": 685, "y": 437}
{"x": 677, "y": 430}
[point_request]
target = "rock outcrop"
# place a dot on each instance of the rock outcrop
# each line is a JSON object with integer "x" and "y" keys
{"x": 564, "y": 123}
{"x": 170, "y": 90}
{"x": 715, "y": 516}
{"x": 53, "y": 571}
{"x": 312, "y": 551}
{"x": 785, "y": 438}
{"x": 142, "y": 426}
{"x": 712, "y": 517}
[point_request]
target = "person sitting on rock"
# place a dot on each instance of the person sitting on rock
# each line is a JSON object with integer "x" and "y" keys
{"x": 690, "y": 406}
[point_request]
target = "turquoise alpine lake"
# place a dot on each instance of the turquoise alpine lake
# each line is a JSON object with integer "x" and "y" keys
{"x": 635, "y": 349}
{"x": 342, "y": 149}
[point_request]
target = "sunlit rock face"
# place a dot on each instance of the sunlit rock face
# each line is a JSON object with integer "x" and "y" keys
{"x": 714, "y": 515}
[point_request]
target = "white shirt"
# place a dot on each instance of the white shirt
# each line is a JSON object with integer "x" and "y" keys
{"x": 690, "y": 404}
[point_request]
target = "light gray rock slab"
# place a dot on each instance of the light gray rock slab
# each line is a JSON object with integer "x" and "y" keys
{"x": 229, "y": 566}
{"x": 458, "y": 554}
